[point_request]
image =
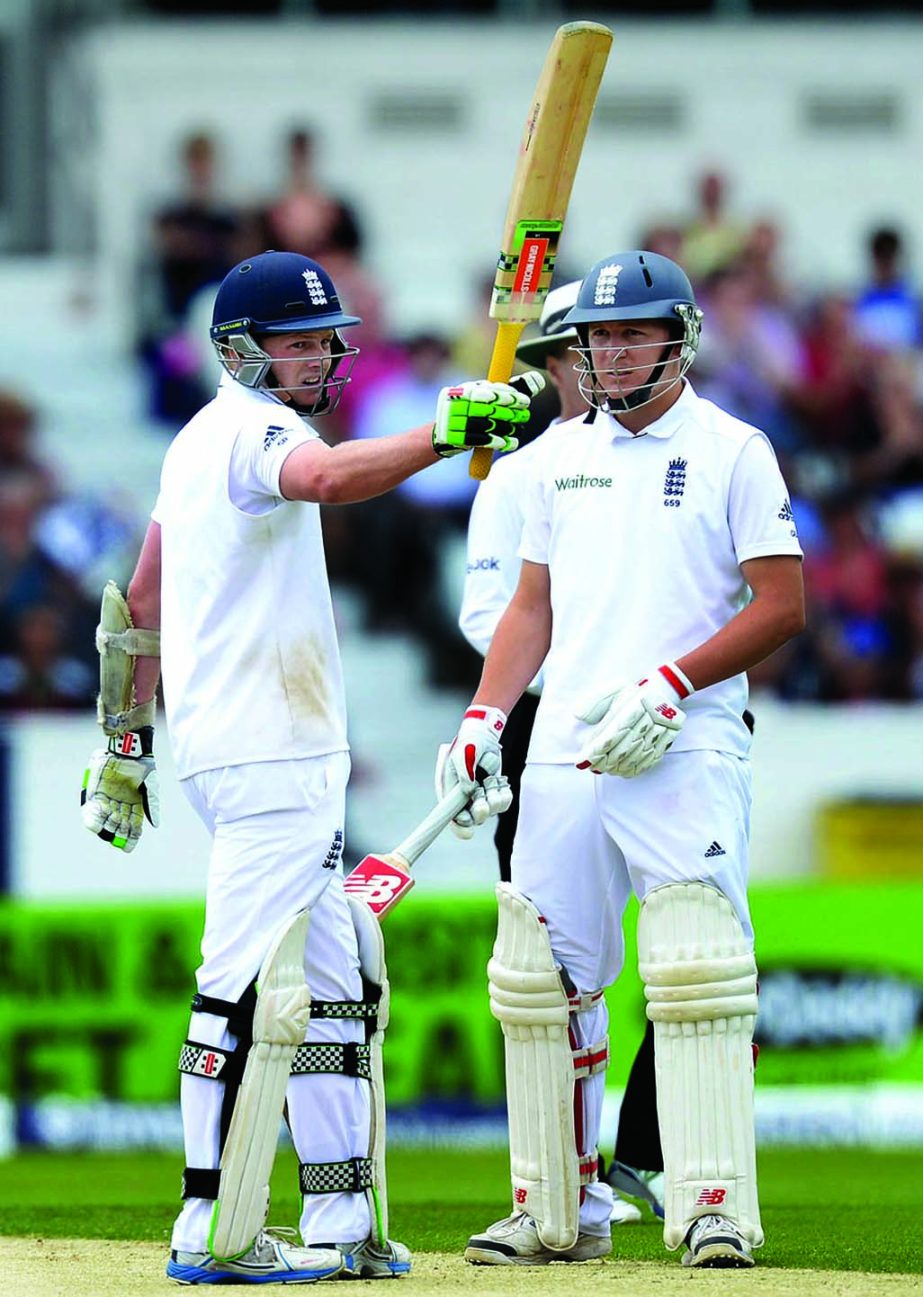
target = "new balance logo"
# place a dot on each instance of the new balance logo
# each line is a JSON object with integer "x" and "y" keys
{"x": 520, "y": 1196}
{"x": 715, "y": 849}
{"x": 711, "y": 1197}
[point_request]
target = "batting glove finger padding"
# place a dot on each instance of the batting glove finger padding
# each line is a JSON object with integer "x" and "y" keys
{"x": 636, "y": 724}
{"x": 474, "y": 414}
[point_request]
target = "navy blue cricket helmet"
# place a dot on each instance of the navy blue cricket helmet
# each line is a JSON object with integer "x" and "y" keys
{"x": 279, "y": 292}
{"x": 637, "y": 285}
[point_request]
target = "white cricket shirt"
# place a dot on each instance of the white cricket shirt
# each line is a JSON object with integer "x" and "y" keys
{"x": 494, "y": 533}
{"x": 643, "y": 538}
{"x": 249, "y": 656}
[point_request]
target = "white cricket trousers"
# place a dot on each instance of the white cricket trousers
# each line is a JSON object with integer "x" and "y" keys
{"x": 276, "y": 830}
{"x": 585, "y": 842}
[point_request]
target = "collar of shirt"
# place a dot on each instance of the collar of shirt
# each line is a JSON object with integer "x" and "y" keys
{"x": 663, "y": 427}
{"x": 230, "y": 389}
{"x": 228, "y": 386}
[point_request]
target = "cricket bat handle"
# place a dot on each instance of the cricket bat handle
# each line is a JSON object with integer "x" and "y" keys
{"x": 428, "y": 830}
{"x": 501, "y": 366}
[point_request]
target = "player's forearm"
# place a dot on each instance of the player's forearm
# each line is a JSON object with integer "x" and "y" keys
{"x": 517, "y": 651}
{"x": 143, "y": 598}
{"x": 750, "y": 637}
{"x": 358, "y": 470}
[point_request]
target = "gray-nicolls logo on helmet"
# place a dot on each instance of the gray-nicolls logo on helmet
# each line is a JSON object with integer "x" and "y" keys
{"x": 638, "y": 286}
{"x": 279, "y": 293}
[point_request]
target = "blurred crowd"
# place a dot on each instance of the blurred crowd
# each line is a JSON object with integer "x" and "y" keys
{"x": 835, "y": 379}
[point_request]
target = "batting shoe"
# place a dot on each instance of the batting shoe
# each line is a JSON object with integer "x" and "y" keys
{"x": 271, "y": 1259}
{"x": 367, "y": 1260}
{"x": 714, "y": 1242}
{"x": 630, "y": 1183}
{"x": 515, "y": 1241}
{"x": 623, "y": 1212}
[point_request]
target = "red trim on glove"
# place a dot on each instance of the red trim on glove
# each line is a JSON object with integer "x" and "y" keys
{"x": 674, "y": 681}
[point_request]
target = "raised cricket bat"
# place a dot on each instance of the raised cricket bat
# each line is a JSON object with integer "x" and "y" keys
{"x": 548, "y": 155}
{"x": 381, "y": 881}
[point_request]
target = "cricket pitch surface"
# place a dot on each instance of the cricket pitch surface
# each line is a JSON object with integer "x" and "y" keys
{"x": 33, "y": 1267}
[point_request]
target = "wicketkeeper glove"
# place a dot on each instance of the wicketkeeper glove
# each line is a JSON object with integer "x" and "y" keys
{"x": 475, "y": 414}
{"x": 474, "y": 760}
{"x": 120, "y": 789}
{"x": 636, "y": 724}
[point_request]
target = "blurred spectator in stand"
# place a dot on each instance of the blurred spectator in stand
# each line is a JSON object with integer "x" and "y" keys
{"x": 194, "y": 244}
{"x": 760, "y": 259}
{"x": 751, "y": 357}
{"x": 835, "y": 399}
{"x": 912, "y": 605}
{"x": 895, "y": 462}
{"x": 39, "y": 672}
{"x": 19, "y": 463}
{"x": 27, "y": 485}
{"x": 306, "y": 218}
{"x": 847, "y": 582}
{"x": 409, "y": 542}
{"x": 665, "y": 239}
{"x": 711, "y": 239}
{"x": 887, "y": 310}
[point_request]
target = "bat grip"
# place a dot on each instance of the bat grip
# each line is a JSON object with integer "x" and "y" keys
{"x": 501, "y": 366}
{"x": 428, "y": 830}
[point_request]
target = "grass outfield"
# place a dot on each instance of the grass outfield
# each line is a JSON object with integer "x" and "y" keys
{"x": 823, "y": 1209}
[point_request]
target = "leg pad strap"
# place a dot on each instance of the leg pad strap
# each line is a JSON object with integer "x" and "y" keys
{"x": 199, "y": 1182}
{"x": 355, "y": 1175}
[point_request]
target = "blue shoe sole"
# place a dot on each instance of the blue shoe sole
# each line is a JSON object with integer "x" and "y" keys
{"x": 191, "y": 1274}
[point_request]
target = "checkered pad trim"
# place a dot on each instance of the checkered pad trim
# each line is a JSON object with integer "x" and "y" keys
{"x": 349, "y": 1060}
{"x": 365, "y": 1009}
{"x": 352, "y": 1176}
{"x": 203, "y": 1060}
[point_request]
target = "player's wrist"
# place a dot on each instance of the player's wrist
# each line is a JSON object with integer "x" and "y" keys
{"x": 492, "y": 717}
{"x": 133, "y": 743}
{"x": 675, "y": 681}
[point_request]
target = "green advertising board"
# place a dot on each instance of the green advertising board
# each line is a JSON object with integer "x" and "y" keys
{"x": 94, "y": 999}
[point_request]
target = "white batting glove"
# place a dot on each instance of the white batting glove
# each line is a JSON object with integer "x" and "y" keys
{"x": 482, "y": 413}
{"x": 636, "y": 724}
{"x": 474, "y": 760}
{"x": 120, "y": 788}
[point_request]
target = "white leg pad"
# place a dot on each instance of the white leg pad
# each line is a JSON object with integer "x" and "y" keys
{"x": 529, "y": 999}
{"x": 280, "y": 1020}
{"x": 372, "y": 963}
{"x": 700, "y": 982}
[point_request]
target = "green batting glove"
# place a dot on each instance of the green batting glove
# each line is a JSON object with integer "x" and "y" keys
{"x": 477, "y": 414}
